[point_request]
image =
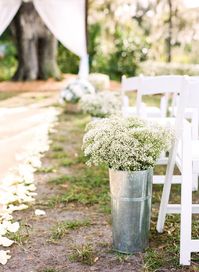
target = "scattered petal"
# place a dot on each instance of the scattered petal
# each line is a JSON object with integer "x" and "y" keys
{"x": 40, "y": 212}
{"x": 13, "y": 227}
{"x": 4, "y": 257}
{"x": 2, "y": 229}
{"x": 4, "y": 241}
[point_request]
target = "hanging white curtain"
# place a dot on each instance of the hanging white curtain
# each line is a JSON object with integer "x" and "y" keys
{"x": 8, "y": 9}
{"x": 66, "y": 20}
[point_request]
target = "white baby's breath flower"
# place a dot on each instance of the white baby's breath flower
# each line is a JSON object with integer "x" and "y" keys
{"x": 101, "y": 104}
{"x": 75, "y": 90}
{"x": 130, "y": 144}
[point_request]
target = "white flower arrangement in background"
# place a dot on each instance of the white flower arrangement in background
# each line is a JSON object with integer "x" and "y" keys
{"x": 75, "y": 90}
{"x": 101, "y": 82}
{"x": 102, "y": 104}
{"x": 130, "y": 144}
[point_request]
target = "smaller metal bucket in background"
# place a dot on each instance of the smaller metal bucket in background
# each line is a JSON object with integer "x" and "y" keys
{"x": 131, "y": 209}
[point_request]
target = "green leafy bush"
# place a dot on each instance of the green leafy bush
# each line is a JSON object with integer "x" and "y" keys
{"x": 67, "y": 61}
{"x": 124, "y": 58}
{"x": 8, "y": 62}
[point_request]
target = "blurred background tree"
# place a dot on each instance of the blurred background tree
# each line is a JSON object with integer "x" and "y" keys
{"x": 36, "y": 46}
{"x": 129, "y": 37}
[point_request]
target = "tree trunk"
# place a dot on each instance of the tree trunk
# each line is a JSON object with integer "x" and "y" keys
{"x": 170, "y": 29}
{"x": 36, "y": 46}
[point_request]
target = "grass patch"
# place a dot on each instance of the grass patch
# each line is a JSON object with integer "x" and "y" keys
{"x": 57, "y": 148}
{"x": 57, "y": 155}
{"x": 89, "y": 187}
{"x": 121, "y": 257}
{"x": 65, "y": 162}
{"x": 152, "y": 260}
{"x": 58, "y": 138}
{"x": 46, "y": 170}
{"x": 20, "y": 237}
{"x": 84, "y": 254}
{"x": 7, "y": 95}
{"x": 80, "y": 158}
{"x": 62, "y": 228}
{"x": 61, "y": 180}
{"x": 81, "y": 123}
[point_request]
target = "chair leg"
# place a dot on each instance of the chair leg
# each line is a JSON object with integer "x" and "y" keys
{"x": 166, "y": 189}
{"x": 186, "y": 212}
{"x": 195, "y": 182}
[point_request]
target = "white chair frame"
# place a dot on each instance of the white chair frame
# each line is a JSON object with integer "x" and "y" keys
{"x": 189, "y": 166}
{"x": 167, "y": 85}
{"x": 150, "y": 85}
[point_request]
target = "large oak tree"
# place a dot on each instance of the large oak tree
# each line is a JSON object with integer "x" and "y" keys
{"x": 36, "y": 46}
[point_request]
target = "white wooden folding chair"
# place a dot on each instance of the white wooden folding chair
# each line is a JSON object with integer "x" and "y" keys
{"x": 144, "y": 85}
{"x": 128, "y": 85}
{"x": 185, "y": 150}
{"x": 164, "y": 85}
{"x": 190, "y": 113}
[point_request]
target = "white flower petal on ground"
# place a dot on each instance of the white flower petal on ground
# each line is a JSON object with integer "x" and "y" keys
{"x": 17, "y": 189}
{"x": 7, "y": 217}
{"x": 13, "y": 227}
{"x": 20, "y": 207}
{"x": 40, "y": 212}
{"x": 31, "y": 187}
{"x": 3, "y": 230}
{"x": 4, "y": 241}
{"x": 4, "y": 256}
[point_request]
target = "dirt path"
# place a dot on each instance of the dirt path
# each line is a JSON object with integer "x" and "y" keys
{"x": 75, "y": 234}
{"x": 20, "y": 119}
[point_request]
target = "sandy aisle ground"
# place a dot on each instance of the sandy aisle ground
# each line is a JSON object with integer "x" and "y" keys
{"x": 21, "y": 118}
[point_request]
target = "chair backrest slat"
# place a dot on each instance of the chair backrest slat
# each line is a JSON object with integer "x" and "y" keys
{"x": 188, "y": 98}
{"x": 192, "y": 86}
{"x": 160, "y": 84}
{"x": 130, "y": 84}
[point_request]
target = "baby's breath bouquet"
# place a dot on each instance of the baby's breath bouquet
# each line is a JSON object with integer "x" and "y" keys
{"x": 126, "y": 144}
{"x": 101, "y": 104}
{"x": 101, "y": 82}
{"x": 75, "y": 90}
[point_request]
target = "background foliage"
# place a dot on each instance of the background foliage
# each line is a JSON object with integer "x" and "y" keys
{"x": 123, "y": 34}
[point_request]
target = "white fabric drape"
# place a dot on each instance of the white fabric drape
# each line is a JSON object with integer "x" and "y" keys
{"x": 8, "y": 9}
{"x": 66, "y": 20}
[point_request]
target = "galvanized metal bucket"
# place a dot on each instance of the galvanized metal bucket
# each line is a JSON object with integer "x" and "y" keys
{"x": 131, "y": 209}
